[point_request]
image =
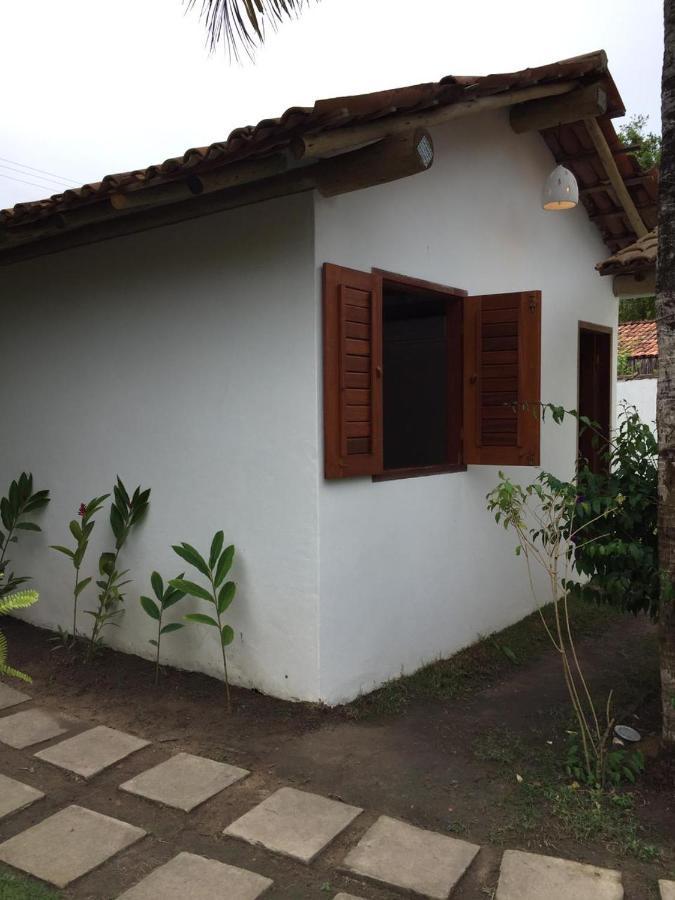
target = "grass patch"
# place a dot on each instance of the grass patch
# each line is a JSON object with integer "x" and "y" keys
{"x": 17, "y": 887}
{"x": 498, "y": 746}
{"x": 478, "y": 665}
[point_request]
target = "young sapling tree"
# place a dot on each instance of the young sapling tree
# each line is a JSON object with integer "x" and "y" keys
{"x": 166, "y": 597}
{"x": 219, "y": 594}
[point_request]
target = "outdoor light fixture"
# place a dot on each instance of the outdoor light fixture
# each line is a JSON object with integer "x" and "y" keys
{"x": 561, "y": 190}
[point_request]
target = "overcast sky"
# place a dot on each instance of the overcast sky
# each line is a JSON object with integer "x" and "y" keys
{"x": 91, "y": 88}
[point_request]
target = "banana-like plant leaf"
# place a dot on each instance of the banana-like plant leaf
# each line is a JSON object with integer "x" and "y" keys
{"x": 190, "y": 555}
{"x": 65, "y": 550}
{"x": 216, "y": 547}
{"x": 226, "y": 635}
{"x": 172, "y": 626}
{"x": 201, "y": 619}
{"x": 157, "y": 585}
{"x": 28, "y": 526}
{"x": 81, "y": 585}
{"x": 226, "y": 596}
{"x": 150, "y": 607}
{"x": 224, "y": 564}
{"x": 153, "y": 642}
{"x": 189, "y": 587}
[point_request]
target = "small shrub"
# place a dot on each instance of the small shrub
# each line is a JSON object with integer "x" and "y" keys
{"x": 166, "y": 597}
{"x": 125, "y": 513}
{"x": 20, "y": 501}
{"x": 220, "y": 593}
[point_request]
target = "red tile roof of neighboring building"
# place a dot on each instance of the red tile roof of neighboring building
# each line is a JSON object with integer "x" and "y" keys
{"x": 638, "y": 339}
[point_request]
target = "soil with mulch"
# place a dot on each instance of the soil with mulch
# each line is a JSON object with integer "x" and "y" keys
{"x": 483, "y": 762}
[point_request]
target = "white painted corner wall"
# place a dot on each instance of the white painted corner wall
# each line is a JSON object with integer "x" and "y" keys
{"x": 415, "y": 569}
{"x": 183, "y": 359}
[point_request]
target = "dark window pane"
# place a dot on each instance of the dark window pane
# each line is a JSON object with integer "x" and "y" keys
{"x": 415, "y": 382}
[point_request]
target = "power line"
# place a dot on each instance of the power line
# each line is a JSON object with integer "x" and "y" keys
{"x": 34, "y": 183}
{"x": 33, "y": 169}
{"x": 40, "y": 177}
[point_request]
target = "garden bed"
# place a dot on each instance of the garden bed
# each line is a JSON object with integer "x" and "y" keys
{"x": 471, "y": 746}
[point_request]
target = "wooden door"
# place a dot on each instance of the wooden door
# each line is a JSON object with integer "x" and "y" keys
{"x": 595, "y": 392}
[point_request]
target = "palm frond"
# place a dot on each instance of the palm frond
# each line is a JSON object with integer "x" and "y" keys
{"x": 19, "y": 600}
{"x": 241, "y": 24}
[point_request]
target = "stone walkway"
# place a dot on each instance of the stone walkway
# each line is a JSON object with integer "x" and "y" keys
{"x": 383, "y": 859}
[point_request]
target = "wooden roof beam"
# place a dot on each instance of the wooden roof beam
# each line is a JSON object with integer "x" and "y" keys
{"x": 326, "y": 143}
{"x": 550, "y": 112}
{"x": 606, "y": 156}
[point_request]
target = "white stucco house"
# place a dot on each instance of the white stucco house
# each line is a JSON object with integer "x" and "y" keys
{"x": 313, "y": 335}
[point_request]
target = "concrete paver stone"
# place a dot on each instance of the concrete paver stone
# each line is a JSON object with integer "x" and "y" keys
{"x": 90, "y": 752}
{"x": 9, "y": 696}
{"x": 198, "y": 878}
{"x": 68, "y": 844}
{"x": 294, "y": 823}
{"x": 14, "y": 795}
{"x": 184, "y": 781}
{"x": 32, "y": 726}
{"x": 413, "y": 859}
{"x": 667, "y": 889}
{"x": 528, "y": 876}
{"x": 347, "y": 897}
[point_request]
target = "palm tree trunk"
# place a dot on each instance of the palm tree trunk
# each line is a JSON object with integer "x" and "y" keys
{"x": 665, "y": 315}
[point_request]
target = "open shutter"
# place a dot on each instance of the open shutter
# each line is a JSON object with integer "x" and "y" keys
{"x": 502, "y": 362}
{"x": 352, "y": 382}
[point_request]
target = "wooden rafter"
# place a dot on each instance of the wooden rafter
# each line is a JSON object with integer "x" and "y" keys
{"x": 616, "y": 179}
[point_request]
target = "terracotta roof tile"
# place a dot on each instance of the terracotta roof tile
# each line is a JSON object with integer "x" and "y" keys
{"x": 634, "y": 258}
{"x": 273, "y": 136}
{"x": 638, "y": 339}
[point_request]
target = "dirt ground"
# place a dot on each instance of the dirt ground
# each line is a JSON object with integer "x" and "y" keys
{"x": 451, "y": 766}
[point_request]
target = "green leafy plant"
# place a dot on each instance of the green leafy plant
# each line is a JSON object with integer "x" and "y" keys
{"x": 18, "y": 600}
{"x": 621, "y": 764}
{"x": 81, "y": 531}
{"x": 646, "y": 144}
{"x": 125, "y": 513}
{"x": 617, "y": 507}
{"x": 219, "y": 594}
{"x": 20, "y": 501}
{"x": 166, "y": 597}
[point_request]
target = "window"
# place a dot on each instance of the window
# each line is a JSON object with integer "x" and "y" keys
{"x": 421, "y": 378}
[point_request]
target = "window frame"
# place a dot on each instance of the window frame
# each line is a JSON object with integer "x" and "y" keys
{"x": 455, "y": 374}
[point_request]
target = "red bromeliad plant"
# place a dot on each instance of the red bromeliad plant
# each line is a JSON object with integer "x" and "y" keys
{"x": 81, "y": 531}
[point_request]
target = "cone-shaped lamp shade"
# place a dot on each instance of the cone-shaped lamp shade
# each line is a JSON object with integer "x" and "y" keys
{"x": 561, "y": 190}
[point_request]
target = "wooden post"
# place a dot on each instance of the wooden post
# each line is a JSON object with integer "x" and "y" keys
{"x": 615, "y": 177}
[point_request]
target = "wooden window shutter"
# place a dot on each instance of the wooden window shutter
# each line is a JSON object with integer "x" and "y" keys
{"x": 502, "y": 363}
{"x": 352, "y": 383}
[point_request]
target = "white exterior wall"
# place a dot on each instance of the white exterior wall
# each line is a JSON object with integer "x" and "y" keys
{"x": 181, "y": 358}
{"x": 415, "y": 569}
{"x": 640, "y": 393}
{"x": 189, "y": 358}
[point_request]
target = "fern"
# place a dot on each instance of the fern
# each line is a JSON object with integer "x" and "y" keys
{"x": 10, "y": 603}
